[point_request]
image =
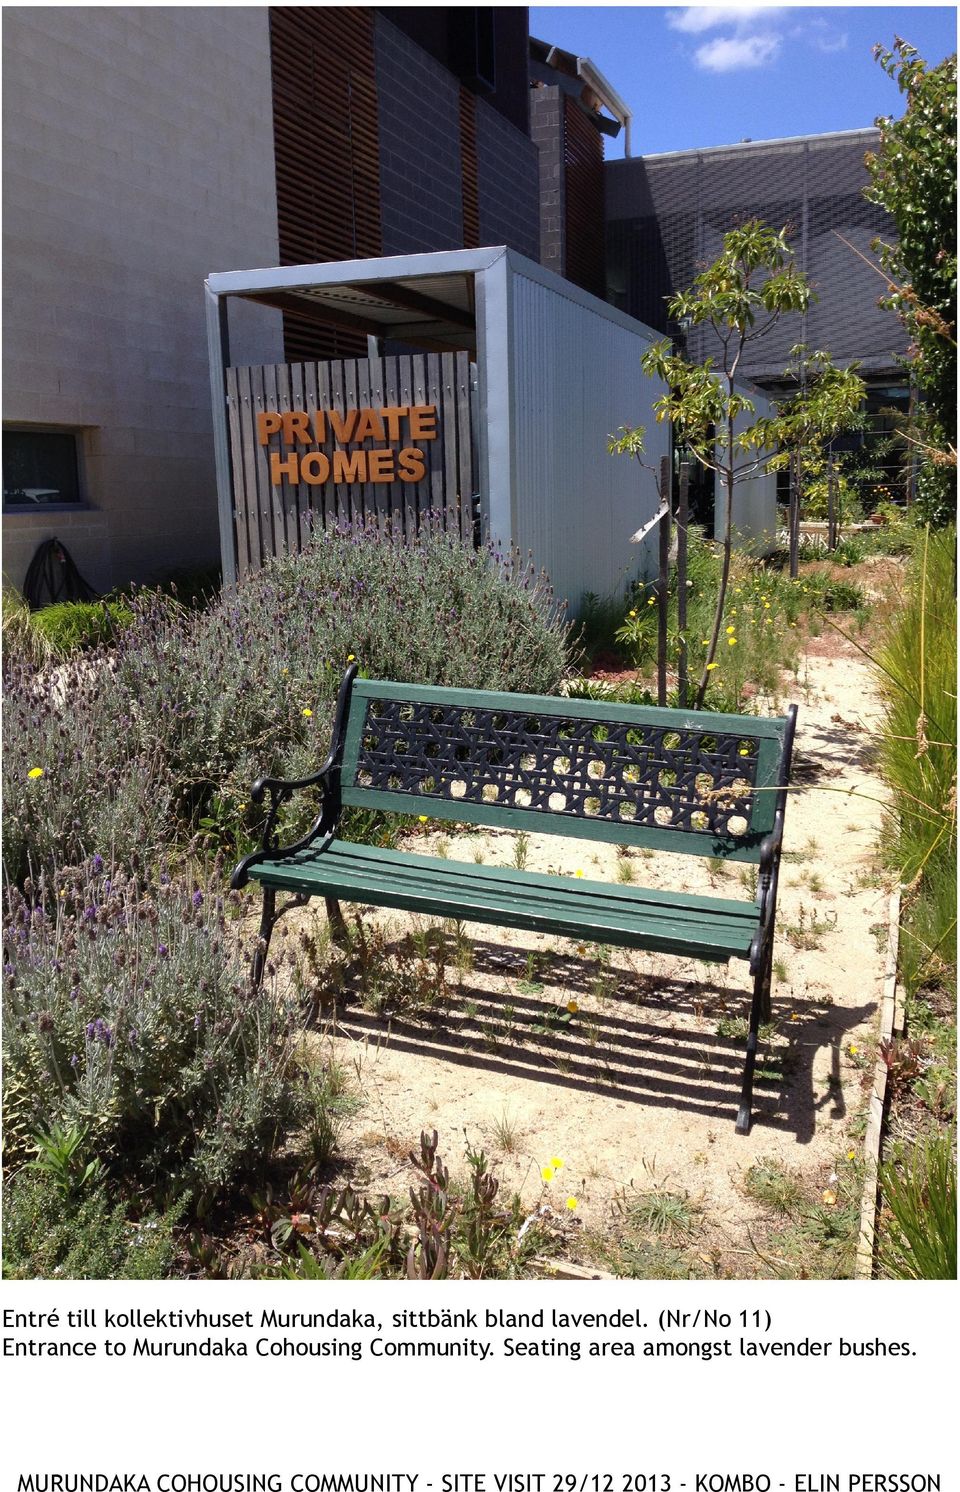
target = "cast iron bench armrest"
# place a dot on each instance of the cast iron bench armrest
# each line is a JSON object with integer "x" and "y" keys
{"x": 282, "y": 789}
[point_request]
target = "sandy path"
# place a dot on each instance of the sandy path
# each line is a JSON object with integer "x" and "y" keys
{"x": 641, "y": 1083}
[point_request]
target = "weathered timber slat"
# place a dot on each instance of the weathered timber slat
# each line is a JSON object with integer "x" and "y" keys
{"x": 277, "y": 517}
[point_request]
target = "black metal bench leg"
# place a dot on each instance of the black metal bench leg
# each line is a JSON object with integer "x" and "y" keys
{"x": 267, "y": 919}
{"x": 337, "y": 921}
{"x": 759, "y": 1012}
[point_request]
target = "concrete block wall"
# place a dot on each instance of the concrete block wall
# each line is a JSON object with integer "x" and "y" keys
{"x": 420, "y": 163}
{"x": 546, "y": 131}
{"x": 418, "y": 104}
{"x": 139, "y": 157}
{"x": 508, "y": 177}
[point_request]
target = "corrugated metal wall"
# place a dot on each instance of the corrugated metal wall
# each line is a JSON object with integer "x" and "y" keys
{"x": 575, "y": 378}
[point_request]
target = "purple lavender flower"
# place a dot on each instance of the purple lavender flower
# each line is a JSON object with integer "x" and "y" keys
{"x": 97, "y": 863}
{"x": 89, "y": 914}
{"x": 196, "y": 1021}
{"x": 198, "y": 899}
{"x": 75, "y": 993}
{"x": 74, "y": 1060}
{"x": 163, "y": 951}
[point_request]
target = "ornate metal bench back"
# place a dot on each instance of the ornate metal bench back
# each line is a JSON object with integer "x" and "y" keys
{"x": 670, "y": 779}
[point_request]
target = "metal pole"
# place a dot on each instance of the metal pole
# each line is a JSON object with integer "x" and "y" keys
{"x": 683, "y": 509}
{"x": 218, "y": 350}
{"x": 831, "y": 506}
{"x": 662, "y": 581}
{"x": 794, "y": 516}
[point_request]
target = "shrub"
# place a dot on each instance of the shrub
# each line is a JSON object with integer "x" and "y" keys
{"x": 74, "y": 626}
{"x": 46, "y": 1236}
{"x": 919, "y": 1195}
{"x": 194, "y": 705}
{"x": 917, "y": 677}
{"x": 128, "y": 1014}
{"x": 76, "y": 780}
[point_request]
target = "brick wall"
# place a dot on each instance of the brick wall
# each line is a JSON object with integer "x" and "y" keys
{"x": 139, "y": 157}
{"x": 509, "y": 183}
{"x": 419, "y": 112}
{"x": 546, "y": 129}
{"x": 421, "y": 165}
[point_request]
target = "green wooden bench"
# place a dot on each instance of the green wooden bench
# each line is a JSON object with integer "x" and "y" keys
{"x": 693, "y": 783}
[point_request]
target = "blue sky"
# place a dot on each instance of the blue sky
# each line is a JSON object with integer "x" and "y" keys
{"x": 712, "y": 75}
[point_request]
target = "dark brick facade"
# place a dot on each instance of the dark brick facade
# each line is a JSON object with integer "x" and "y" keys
{"x": 422, "y": 158}
{"x": 508, "y": 182}
{"x": 421, "y": 201}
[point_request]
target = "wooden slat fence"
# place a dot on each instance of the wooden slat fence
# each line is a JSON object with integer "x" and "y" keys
{"x": 277, "y": 519}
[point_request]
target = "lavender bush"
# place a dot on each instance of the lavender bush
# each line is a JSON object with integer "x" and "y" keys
{"x": 128, "y": 1014}
{"x": 175, "y": 725}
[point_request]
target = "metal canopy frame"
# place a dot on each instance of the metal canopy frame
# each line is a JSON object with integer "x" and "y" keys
{"x": 456, "y": 299}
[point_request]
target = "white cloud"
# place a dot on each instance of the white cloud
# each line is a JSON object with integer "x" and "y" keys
{"x": 727, "y": 54}
{"x": 827, "y": 38}
{"x": 696, "y": 19}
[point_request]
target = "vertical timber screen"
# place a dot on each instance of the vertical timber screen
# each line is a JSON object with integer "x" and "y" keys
{"x": 275, "y": 513}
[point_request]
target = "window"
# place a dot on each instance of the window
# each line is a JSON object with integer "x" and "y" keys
{"x": 40, "y": 468}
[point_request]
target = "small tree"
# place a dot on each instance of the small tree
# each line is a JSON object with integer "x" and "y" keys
{"x": 825, "y": 400}
{"x": 914, "y": 176}
{"x": 751, "y": 286}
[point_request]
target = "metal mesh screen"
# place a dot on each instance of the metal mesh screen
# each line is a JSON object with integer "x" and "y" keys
{"x": 666, "y": 217}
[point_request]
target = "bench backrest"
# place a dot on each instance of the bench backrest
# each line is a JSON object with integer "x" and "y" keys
{"x": 636, "y": 775}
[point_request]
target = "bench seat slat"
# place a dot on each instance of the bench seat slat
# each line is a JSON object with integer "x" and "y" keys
{"x": 667, "y": 921}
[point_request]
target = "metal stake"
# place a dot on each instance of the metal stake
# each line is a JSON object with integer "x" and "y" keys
{"x": 683, "y": 513}
{"x": 663, "y": 582}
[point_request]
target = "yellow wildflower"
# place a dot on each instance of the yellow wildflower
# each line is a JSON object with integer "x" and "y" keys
{"x": 241, "y": 807}
{"x": 852, "y": 1049}
{"x": 731, "y": 629}
{"x": 652, "y": 601}
{"x": 744, "y": 751}
{"x": 631, "y": 613}
{"x": 351, "y": 657}
{"x": 556, "y": 1162}
{"x": 851, "y": 1155}
{"x": 35, "y": 772}
{"x": 711, "y": 665}
{"x": 572, "y": 1006}
{"x": 571, "y": 1204}
{"x": 421, "y": 818}
{"x": 578, "y": 874}
{"x": 731, "y": 642}
{"x": 284, "y": 670}
{"x": 830, "y": 1197}
{"x": 547, "y": 1173}
{"x": 308, "y": 712}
